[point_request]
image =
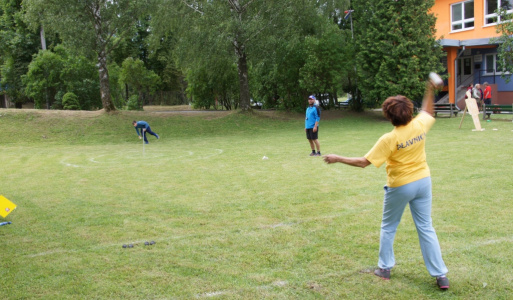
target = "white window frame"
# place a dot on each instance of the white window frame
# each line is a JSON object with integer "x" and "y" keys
{"x": 463, "y": 21}
{"x": 495, "y": 71}
{"x": 494, "y": 64}
{"x": 494, "y": 14}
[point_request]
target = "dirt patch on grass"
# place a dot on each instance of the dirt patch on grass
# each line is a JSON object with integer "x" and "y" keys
{"x": 183, "y": 110}
{"x": 160, "y": 108}
{"x": 84, "y": 114}
{"x": 149, "y": 110}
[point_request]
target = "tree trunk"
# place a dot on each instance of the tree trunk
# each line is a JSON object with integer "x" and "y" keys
{"x": 103, "y": 71}
{"x": 107, "y": 103}
{"x": 43, "y": 39}
{"x": 242, "y": 65}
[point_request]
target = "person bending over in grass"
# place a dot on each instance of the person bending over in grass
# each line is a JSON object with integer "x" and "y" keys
{"x": 145, "y": 127}
{"x": 408, "y": 181}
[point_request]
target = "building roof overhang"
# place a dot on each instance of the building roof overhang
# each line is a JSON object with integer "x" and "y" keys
{"x": 467, "y": 43}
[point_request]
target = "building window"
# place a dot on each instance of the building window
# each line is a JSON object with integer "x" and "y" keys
{"x": 489, "y": 63}
{"x": 462, "y": 15}
{"x": 491, "y": 8}
{"x": 491, "y": 67}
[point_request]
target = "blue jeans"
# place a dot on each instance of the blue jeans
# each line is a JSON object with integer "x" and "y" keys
{"x": 418, "y": 195}
{"x": 148, "y": 130}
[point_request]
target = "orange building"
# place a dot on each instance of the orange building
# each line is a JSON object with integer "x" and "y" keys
{"x": 465, "y": 30}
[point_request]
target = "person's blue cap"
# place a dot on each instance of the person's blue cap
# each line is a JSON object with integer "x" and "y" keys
{"x": 311, "y": 97}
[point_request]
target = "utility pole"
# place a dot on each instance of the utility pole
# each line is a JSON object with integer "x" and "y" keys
{"x": 349, "y": 14}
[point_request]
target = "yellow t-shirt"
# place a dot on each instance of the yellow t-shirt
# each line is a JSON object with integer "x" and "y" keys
{"x": 403, "y": 149}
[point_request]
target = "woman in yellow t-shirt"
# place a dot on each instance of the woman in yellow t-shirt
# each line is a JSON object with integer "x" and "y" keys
{"x": 408, "y": 181}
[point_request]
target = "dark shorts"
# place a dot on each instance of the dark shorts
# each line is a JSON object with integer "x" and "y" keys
{"x": 311, "y": 135}
{"x": 488, "y": 101}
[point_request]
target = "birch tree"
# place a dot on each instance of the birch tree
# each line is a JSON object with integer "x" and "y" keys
{"x": 230, "y": 28}
{"x": 93, "y": 27}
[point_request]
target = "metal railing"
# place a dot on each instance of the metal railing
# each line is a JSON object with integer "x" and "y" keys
{"x": 489, "y": 75}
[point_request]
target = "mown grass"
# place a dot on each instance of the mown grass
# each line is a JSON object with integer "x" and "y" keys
{"x": 229, "y": 225}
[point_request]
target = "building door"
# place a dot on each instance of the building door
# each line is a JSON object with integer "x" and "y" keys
{"x": 465, "y": 71}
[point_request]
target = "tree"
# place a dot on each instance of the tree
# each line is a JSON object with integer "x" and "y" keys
{"x": 94, "y": 27}
{"x": 155, "y": 48}
{"x": 214, "y": 83}
{"x": 138, "y": 78}
{"x": 505, "y": 41}
{"x": 43, "y": 80}
{"x": 396, "y": 48}
{"x": 228, "y": 28}
{"x": 17, "y": 45}
{"x": 51, "y": 74}
{"x": 326, "y": 63}
{"x": 80, "y": 76}
{"x": 291, "y": 62}
{"x": 70, "y": 101}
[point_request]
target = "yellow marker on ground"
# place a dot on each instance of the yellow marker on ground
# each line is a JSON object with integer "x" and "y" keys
{"x": 6, "y": 206}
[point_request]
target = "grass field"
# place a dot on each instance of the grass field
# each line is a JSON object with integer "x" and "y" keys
{"x": 228, "y": 224}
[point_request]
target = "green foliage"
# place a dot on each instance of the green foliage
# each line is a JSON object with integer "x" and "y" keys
{"x": 326, "y": 62}
{"x": 117, "y": 88}
{"x": 232, "y": 31}
{"x": 92, "y": 27}
{"x": 135, "y": 45}
{"x": 17, "y": 45}
{"x": 213, "y": 84}
{"x": 275, "y": 71}
{"x": 134, "y": 103}
{"x": 505, "y": 41}
{"x": 43, "y": 79}
{"x": 88, "y": 26}
{"x": 302, "y": 56}
{"x": 80, "y": 76}
{"x": 282, "y": 50}
{"x": 70, "y": 101}
{"x": 396, "y": 48}
{"x": 257, "y": 37}
{"x": 138, "y": 79}
{"x": 290, "y": 59}
{"x": 52, "y": 74}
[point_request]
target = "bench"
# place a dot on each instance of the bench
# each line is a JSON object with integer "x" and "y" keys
{"x": 449, "y": 108}
{"x": 339, "y": 105}
{"x": 497, "y": 109}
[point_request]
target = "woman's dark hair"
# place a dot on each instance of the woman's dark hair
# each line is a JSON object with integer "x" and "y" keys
{"x": 398, "y": 109}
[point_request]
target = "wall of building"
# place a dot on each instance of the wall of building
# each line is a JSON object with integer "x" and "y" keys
{"x": 442, "y": 10}
{"x": 502, "y": 98}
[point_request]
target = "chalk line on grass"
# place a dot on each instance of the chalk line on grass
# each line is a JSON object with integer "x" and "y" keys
{"x": 134, "y": 155}
{"x": 280, "y": 283}
{"x": 212, "y": 294}
{"x": 68, "y": 164}
{"x": 272, "y": 226}
{"x": 218, "y": 152}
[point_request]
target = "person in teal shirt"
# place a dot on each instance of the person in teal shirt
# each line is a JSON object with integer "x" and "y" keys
{"x": 145, "y": 127}
{"x": 313, "y": 116}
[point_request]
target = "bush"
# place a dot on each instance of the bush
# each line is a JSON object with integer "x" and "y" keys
{"x": 134, "y": 103}
{"x": 57, "y": 103}
{"x": 70, "y": 101}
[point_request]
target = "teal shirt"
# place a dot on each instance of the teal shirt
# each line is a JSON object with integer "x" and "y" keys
{"x": 312, "y": 116}
{"x": 142, "y": 125}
